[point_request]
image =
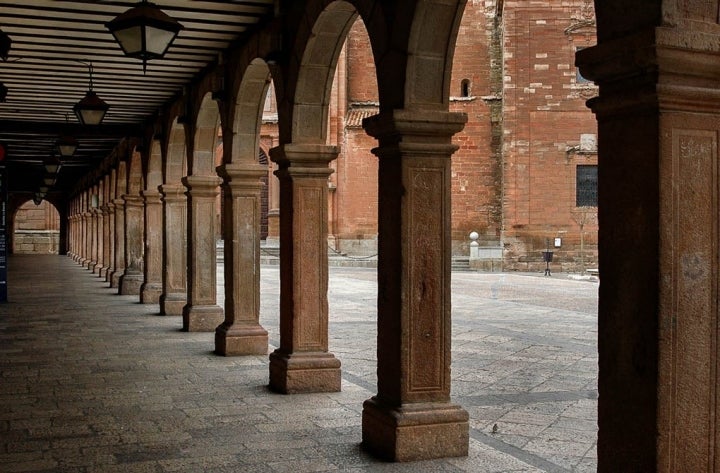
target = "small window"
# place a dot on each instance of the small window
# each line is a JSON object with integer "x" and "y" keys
{"x": 586, "y": 185}
{"x": 465, "y": 88}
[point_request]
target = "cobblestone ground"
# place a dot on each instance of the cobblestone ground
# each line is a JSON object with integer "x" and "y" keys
{"x": 95, "y": 382}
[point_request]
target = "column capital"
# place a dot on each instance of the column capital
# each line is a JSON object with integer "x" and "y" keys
{"x": 415, "y": 130}
{"x": 651, "y": 69}
{"x": 151, "y": 197}
{"x": 200, "y": 185}
{"x": 171, "y": 189}
{"x": 306, "y": 155}
{"x": 301, "y": 159}
{"x": 133, "y": 200}
{"x": 172, "y": 192}
{"x": 243, "y": 176}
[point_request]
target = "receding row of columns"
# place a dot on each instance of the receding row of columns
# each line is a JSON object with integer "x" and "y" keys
{"x": 142, "y": 241}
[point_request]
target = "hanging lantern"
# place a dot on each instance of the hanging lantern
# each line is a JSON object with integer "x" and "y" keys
{"x": 144, "y": 32}
{"x": 91, "y": 109}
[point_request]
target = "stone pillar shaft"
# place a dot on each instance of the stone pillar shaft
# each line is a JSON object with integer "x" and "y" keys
{"x": 152, "y": 284}
{"x": 119, "y": 237}
{"x": 99, "y": 241}
{"x": 411, "y": 417}
{"x": 92, "y": 239}
{"x": 174, "y": 275}
{"x": 241, "y": 332}
{"x": 658, "y": 179}
{"x": 106, "y": 241}
{"x": 202, "y": 314}
{"x": 111, "y": 242}
{"x": 302, "y": 363}
{"x": 133, "y": 275}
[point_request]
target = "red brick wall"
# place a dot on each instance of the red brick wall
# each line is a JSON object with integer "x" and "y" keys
{"x": 476, "y": 166}
{"x": 544, "y": 116}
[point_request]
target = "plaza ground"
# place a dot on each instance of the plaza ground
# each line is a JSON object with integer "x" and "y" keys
{"x": 95, "y": 382}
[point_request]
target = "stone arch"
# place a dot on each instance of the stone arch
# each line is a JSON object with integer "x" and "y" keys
{"x": 431, "y": 47}
{"x": 40, "y": 228}
{"x": 175, "y": 165}
{"x": 249, "y": 106}
{"x": 317, "y": 70}
{"x": 135, "y": 173}
{"x": 205, "y": 140}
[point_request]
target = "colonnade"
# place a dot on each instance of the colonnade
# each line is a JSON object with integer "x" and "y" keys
{"x": 656, "y": 65}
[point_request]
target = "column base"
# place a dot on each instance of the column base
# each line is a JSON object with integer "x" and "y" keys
{"x": 130, "y": 284}
{"x": 150, "y": 293}
{"x": 103, "y": 272}
{"x": 173, "y": 303}
{"x": 202, "y": 318}
{"x": 235, "y": 340}
{"x": 115, "y": 278}
{"x": 295, "y": 373}
{"x": 414, "y": 432}
{"x": 98, "y": 269}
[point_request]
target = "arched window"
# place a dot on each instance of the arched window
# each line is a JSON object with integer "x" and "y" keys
{"x": 465, "y": 88}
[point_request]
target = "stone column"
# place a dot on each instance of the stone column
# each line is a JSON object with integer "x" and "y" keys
{"x": 302, "y": 363}
{"x": 174, "y": 267}
{"x": 119, "y": 243}
{"x": 411, "y": 417}
{"x": 99, "y": 241}
{"x": 658, "y": 126}
{"x": 241, "y": 332}
{"x": 85, "y": 256}
{"x": 152, "y": 285}
{"x": 73, "y": 235}
{"x": 92, "y": 240}
{"x": 132, "y": 279}
{"x": 110, "y": 242}
{"x": 105, "y": 241}
{"x": 201, "y": 313}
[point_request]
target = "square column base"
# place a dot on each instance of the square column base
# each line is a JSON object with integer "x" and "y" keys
{"x": 115, "y": 278}
{"x": 314, "y": 372}
{"x": 235, "y": 340}
{"x": 202, "y": 318}
{"x": 415, "y": 432}
{"x": 150, "y": 293}
{"x": 172, "y": 304}
{"x": 130, "y": 284}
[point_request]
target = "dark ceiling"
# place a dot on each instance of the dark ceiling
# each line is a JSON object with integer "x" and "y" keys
{"x": 47, "y": 73}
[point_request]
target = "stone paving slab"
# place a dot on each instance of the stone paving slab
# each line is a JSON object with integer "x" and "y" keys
{"x": 95, "y": 382}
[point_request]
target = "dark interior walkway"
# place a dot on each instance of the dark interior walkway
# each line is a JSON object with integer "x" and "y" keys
{"x": 95, "y": 382}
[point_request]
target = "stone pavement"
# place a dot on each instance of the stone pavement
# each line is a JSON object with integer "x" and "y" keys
{"x": 95, "y": 382}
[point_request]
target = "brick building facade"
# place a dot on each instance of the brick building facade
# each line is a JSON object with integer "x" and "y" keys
{"x": 528, "y": 141}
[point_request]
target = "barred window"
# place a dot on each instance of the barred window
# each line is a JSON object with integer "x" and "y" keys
{"x": 586, "y": 185}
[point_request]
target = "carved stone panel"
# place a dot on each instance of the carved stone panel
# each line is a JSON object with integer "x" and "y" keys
{"x": 425, "y": 317}
{"x": 310, "y": 241}
{"x": 689, "y": 322}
